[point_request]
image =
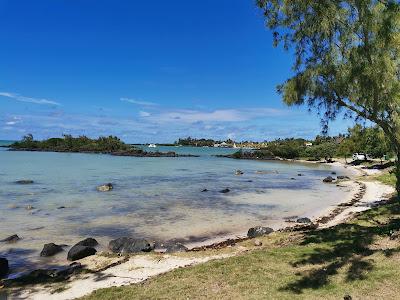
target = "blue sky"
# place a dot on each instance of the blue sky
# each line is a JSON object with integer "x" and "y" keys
{"x": 147, "y": 71}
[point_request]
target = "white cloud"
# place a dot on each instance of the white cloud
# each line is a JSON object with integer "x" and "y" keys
{"x": 222, "y": 115}
{"x": 21, "y": 98}
{"x": 11, "y": 123}
{"x": 138, "y": 102}
{"x": 144, "y": 114}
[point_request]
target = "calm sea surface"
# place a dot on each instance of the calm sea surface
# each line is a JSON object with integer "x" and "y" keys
{"x": 155, "y": 198}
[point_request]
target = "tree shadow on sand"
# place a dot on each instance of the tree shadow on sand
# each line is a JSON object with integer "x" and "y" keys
{"x": 345, "y": 245}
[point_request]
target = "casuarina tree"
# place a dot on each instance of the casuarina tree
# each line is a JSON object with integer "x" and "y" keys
{"x": 347, "y": 59}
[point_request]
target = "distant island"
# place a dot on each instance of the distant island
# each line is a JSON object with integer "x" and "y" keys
{"x": 103, "y": 145}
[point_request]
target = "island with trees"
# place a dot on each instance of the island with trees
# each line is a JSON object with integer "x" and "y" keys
{"x": 83, "y": 144}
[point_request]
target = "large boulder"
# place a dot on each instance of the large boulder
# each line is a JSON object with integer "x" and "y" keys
{"x": 105, "y": 187}
{"x": 3, "y": 267}
{"x": 11, "y": 239}
{"x": 259, "y": 231}
{"x": 79, "y": 252}
{"x": 130, "y": 245}
{"x": 50, "y": 250}
{"x": 88, "y": 242}
{"x": 328, "y": 179}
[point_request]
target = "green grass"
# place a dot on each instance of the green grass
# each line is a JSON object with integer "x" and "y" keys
{"x": 387, "y": 178}
{"x": 356, "y": 258}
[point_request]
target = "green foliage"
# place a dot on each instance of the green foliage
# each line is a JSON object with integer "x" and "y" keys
{"x": 195, "y": 142}
{"x": 347, "y": 57}
{"x": 72, "y": 144}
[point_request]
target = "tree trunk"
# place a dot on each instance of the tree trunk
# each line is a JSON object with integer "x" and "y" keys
{"x": 398, "y": 174}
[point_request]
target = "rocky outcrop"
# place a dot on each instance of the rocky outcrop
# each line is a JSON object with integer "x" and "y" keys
{"x": 79, "y": 252}
{"x": 4, "y": 268}
{"x": 341, "y": 177}
{"x": 11, "y": 239}
{"x": 50, "y": 250}
{"x": 130, "y": 245}
{"x": 259, "y": 231}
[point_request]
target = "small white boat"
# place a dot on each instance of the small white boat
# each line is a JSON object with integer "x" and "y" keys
{"x": 152, "y": 146}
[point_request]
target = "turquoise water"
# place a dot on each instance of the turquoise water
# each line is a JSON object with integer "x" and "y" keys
{"x": 156, "y": 198}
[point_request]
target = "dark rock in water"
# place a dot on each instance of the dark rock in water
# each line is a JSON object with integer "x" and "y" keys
{"x": 89, "y": 242}
{"x": 224, "y": 191}
{"x": 105, "y": 187}
{"x": 343, "y": 177}
{"x": 11, "y": 239}
{"x": 292, "y": 178}
{"x": 79, "y": 252}
{"x": 303, "y": 220}
{"x": 68, "y": 270}
{"x": 204, "y": 190}
{"x": 333, "y": 173}
{"x": 51, "y": 249}
{"x": 46, "y": 275}
{"x": 239, "y": 172}
{"x": 130, "y": 245}
{"x": 61, "y": 207}
{"x": 3, "y": 267}
{"x": 328, "y": 179}
{"x": 259, "y": 231}
{"x": 24, "y": 181}
{"x": 176, "y": 247}
{"x": 300, "y": 174}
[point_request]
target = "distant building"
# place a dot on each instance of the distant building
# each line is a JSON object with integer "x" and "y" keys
{"x": 308, "y": 144}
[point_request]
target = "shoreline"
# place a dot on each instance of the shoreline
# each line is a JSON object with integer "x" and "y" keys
{"x": 365, "y": 195}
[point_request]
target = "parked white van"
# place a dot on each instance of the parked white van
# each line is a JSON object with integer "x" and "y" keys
{"x": 360, "y": 156}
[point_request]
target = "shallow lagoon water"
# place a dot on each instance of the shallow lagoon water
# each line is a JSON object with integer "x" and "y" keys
{"x": 155, "y": 198}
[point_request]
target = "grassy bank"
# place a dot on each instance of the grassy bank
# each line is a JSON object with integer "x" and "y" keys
{"x": 357, "y": 258}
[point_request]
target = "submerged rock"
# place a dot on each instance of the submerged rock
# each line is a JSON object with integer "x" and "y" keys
{"x": 130, "y": 245}
{"x": 224, "y": 191}
{"x": 328, "y": 179}
{"x": 239, "y": 172}
{"x": 259, "y": 231}
{"x": 88, "y": 242}
{"x": 50, "y": 250}
{"x": 4, "y": 268}
{"x": 29, "y": 207}
{"x": 11, "y": 239}
{"x": 304, "y": 220}
{"x": 24, "y": 181}
{"x": 341, "y": 177}
{"x": 105, "y": 187}
{"x": 79, "y": 252}
{"x": 204, "y": 190}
